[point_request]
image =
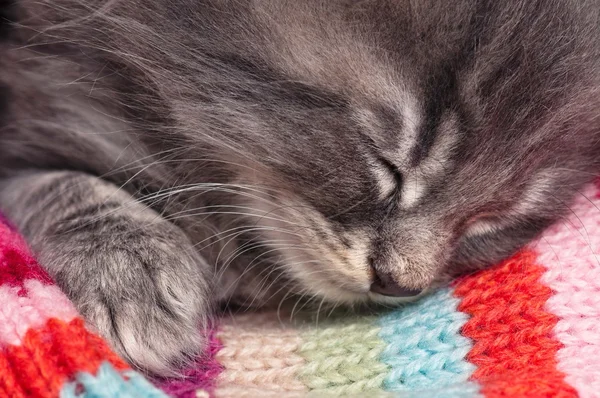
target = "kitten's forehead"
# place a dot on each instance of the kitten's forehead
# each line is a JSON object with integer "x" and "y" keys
{"x": 318, "y": 46}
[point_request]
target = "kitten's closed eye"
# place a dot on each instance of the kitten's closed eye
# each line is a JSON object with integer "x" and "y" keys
{"x": 389, "y": 179}
{"x": 484, "y": 223}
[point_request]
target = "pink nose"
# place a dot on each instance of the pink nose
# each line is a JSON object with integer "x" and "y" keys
{"x": 386, "y": 285}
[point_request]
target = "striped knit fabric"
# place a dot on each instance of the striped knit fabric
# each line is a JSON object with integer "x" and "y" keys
{"x": 529, "y": 327}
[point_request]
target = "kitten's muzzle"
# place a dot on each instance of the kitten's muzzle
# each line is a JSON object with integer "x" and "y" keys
{"x": 385, "y": 284}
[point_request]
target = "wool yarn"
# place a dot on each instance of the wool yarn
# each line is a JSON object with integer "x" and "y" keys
{"x": 342, "y": 357}
{"x": 528, "y": 327}
{"x": 424, "y": 347}
{"x": 514, "y": 350}
{"x": 260, "y": 352}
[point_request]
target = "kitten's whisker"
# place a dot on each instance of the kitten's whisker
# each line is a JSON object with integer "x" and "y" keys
{"x": 136, "y": 201}
{"x": 223, "y": 248}
{"x": 191, "y": 212}
{"x": 304, "y": 292}
{"x": 285, "y": 296}
{"x": 247, "y": 269}
{"x": 235, "y": 213}
{"x": 276, "y": 268}
{"x": 233, "y": 231}
{"x": 209, "y": 187}
{"x": 242, "y": 250}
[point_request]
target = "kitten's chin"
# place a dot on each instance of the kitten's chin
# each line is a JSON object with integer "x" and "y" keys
{"x": 328, "y": 291}
{"x": 324, "y": 284}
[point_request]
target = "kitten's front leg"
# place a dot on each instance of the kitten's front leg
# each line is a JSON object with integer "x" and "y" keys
{"x": 134, "y": 276}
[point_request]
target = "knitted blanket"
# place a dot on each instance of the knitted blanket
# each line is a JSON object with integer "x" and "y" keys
{"x": 529, "y": 327}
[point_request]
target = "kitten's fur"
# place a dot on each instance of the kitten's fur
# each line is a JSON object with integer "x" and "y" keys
{"x": 165, "y": 156}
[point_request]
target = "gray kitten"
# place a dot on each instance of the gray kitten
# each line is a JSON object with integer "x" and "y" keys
{"x": 164, "y": 157}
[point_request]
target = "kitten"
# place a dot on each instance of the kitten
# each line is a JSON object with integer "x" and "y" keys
{"x": 164, "y": 157}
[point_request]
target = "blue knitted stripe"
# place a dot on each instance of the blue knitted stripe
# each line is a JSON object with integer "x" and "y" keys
{"x": 425, "y": 350}
{"x": 109, "y": 383}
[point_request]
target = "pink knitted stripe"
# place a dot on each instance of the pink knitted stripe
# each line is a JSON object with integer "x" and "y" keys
{"x": 16, "y": 262}
{"x": 21, "y": 312}
{"x": 570, "y": 252}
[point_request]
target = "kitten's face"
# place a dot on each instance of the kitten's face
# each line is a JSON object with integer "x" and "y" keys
{"x": 367, "y": 193}
{"x": 392, "y": 145}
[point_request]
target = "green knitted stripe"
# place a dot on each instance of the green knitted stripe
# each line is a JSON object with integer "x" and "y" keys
{"x": 342, "y": 357}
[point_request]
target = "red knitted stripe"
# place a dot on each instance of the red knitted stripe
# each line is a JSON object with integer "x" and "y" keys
{"x": 9, "y": 385}
{"x": 513, "y": 348}
{"x": 50, "y": 356}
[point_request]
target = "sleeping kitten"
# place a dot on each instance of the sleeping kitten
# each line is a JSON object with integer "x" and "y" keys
{"x": 166, "y": 156}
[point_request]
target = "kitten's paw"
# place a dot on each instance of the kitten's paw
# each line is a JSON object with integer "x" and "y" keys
{"x": 147, "y": 294}
{"x": 155, "y": 337}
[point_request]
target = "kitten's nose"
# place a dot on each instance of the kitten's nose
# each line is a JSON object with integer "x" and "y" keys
{"x": 385, "y": 284}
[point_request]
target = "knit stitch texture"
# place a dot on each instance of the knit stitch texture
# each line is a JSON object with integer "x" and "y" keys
{"x": 528, "y": 327}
